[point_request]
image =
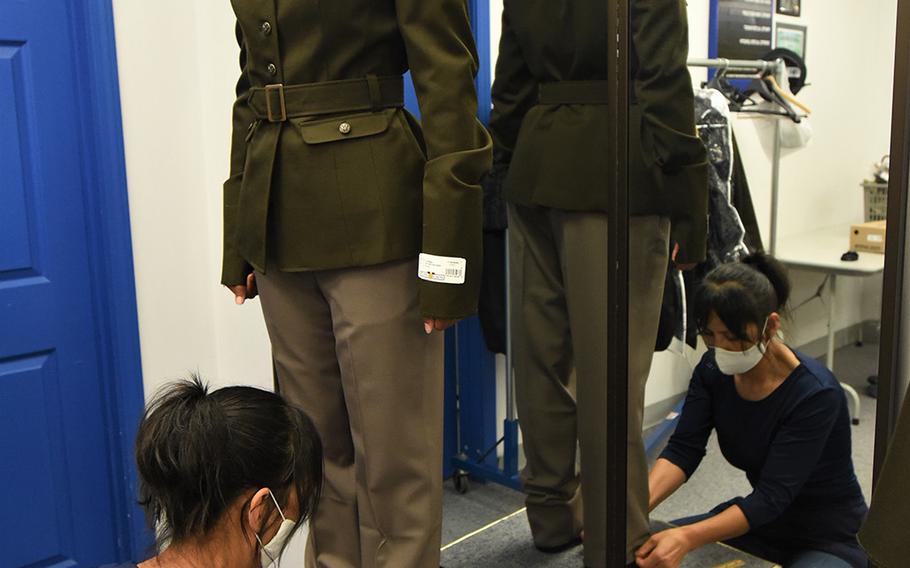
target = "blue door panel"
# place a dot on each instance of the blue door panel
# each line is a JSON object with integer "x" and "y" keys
{"x": 32, "y": 433}
{"x": 55, "y": 454}
{"x": 14, "y": 221}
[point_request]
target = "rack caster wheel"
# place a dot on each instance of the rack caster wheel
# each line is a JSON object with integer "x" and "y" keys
{"x": 462, "y": 483}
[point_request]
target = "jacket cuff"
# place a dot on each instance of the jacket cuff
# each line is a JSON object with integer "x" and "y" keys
{"x": 688, "y": 187}
{"x": 453, "y": 227}
{"x": 234, "y": 269}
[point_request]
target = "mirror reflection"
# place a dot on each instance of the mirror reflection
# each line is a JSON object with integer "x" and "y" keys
{"x": 759, "y": 411}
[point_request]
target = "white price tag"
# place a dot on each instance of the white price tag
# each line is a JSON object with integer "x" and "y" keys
{"x": 442, "y": 269}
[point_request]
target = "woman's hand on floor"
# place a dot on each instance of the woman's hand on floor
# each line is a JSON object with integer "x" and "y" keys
{"x": 664, "y": 550}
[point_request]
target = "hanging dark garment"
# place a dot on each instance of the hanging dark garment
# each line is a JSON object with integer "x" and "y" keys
{"x": 725, "y": 229}
{"x": 742, "y": 201}
{"x": 491, "y": 307}
{"x": 670, "y": 324}
{"x": 492, "y": 304}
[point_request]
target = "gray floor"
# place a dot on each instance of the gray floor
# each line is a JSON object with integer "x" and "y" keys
{"x": 508, "y": 543}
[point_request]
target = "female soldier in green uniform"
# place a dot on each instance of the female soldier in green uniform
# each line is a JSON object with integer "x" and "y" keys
{"x": 334, "y": 193}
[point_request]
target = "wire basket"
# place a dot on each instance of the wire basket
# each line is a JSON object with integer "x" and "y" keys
{"x": 876, "y": 200}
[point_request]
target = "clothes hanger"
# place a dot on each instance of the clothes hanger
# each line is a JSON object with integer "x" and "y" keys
{"x": 786, "y": 95}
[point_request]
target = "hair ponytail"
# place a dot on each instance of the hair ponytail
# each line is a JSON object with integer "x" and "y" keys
{"x": 775, "y": 272}
{"x": 198, "y": 451}
{"x": 743, "y": 293}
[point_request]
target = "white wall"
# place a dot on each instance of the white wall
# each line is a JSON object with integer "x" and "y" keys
{"x": 178, "y": 66}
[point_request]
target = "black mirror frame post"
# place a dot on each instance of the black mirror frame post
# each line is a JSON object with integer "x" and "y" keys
{"x": 617, "y": 280}
{"x": 894, "y": 365}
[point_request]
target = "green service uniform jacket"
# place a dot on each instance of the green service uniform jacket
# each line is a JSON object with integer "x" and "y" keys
{"x": 884, "y": 535}
{"x": 550, "y": 119}
{"x": 327, "y": 170}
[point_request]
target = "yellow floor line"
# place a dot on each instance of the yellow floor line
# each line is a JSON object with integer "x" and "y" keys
{"x": 482, "y": 529}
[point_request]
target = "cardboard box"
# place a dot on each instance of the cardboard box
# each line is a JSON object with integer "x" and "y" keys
{"x": 868, "y": 237}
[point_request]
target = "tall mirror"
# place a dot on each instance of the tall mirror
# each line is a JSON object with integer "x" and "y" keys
{"x": 766, "y": 453}
{"x": 763, "y": 428}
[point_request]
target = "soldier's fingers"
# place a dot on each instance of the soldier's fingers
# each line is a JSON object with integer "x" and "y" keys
{"x": 646, "y": 548}
{"x": 239, "y": 292}
{"x": 251, "y": 290}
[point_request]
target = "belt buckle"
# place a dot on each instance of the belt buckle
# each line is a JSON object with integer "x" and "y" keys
{"x": 282, "y": 107}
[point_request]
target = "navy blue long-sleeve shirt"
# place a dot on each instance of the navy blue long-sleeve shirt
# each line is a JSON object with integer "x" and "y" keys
{"x": 794, "y": 446}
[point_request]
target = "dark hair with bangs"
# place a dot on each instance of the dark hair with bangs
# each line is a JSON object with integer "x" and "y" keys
{"x": 743, "y": 293}
{"x": 198, "y": 451}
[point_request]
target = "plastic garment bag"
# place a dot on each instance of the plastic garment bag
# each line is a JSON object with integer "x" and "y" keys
{"x": 726, "y": 232}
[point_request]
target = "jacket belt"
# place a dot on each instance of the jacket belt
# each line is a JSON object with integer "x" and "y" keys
{"x": 574, "y": 93}
{"x": 279, "y": 102}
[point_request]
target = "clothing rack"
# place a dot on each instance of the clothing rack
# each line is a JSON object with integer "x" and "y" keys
{"x": 740, "y": 68}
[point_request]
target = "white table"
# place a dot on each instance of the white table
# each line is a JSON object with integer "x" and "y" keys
{"x": 820, "y": 251}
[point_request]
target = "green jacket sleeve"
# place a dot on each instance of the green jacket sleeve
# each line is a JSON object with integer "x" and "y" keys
{"x": 514, "y": 93}
{"x": 663, "y": 88}
{"x": 443, "y": 63}
{"x": 234, "y": 268}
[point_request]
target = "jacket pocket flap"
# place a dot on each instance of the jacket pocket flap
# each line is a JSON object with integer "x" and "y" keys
{"x": 344, "y": 127}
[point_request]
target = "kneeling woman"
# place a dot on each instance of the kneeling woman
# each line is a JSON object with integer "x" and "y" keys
{"x": 780, "y": 416}
{"x": 227, "y": 476}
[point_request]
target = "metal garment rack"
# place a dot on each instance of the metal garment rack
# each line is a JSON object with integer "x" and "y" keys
{"x": 743, "y": 68}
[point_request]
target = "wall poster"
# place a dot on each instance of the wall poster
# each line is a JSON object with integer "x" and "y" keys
{"x": 741, "y": 29}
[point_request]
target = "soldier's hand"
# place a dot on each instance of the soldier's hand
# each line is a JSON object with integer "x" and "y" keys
{"x": 244, "y": 292}
{"x": 432, "y": 324}
{"x": 683, "y": 267}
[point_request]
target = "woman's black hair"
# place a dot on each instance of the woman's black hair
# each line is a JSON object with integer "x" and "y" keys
{"x": 743, "y": 293}
{"x": 199, "y": 451}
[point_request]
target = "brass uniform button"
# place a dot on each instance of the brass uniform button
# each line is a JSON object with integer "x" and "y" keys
{"x": 344, "y": 128}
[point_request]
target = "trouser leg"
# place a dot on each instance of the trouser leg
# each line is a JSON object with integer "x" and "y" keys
{"x": 392, "y": 376}
{"x": 648, "y": 256}
{"x": 299, "y": 322}
{"x": 582, "y": 242}
{"x": 543, "y": 365}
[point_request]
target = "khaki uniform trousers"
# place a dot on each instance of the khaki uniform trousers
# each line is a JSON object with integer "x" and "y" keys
{"x": 350, "y": 350}
{"x": 559, "y": 324}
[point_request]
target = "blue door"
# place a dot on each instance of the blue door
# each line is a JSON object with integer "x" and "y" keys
{"x": 63, "y": 485}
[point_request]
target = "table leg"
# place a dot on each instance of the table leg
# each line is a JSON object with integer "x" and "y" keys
{"x": 851, "y": 392}
{"x": 832, "y": 291}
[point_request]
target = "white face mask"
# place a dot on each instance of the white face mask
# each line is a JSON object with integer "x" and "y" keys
{"x": 739, "y": 362}
{"x": 270, "y": 551}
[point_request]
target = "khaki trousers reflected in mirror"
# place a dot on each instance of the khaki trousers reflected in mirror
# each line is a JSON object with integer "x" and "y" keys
{"x": 559, "y": 325}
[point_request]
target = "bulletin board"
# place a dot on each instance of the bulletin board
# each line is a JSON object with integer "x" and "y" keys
{"x": 741, "y": 29}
